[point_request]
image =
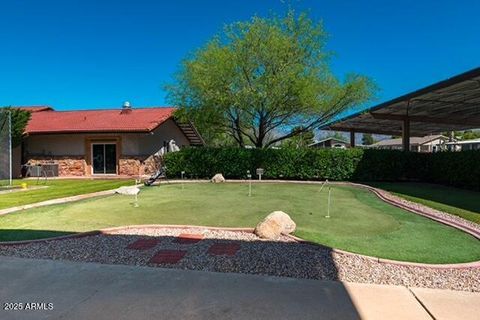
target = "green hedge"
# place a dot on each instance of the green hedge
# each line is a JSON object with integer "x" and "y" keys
{"x": 460, "y": 169}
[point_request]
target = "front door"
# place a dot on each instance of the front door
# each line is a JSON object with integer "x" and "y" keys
{"x": 104, "y": 158}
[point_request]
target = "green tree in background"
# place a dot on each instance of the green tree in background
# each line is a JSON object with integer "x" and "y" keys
{"x": 470, "y": 134}
{"x": 263, "y": 76}
{"x": 337, "y": 135}
{"x": 20, "y": 120}
{"x": 301, "y": 140}
{"x": 367, "y": 139}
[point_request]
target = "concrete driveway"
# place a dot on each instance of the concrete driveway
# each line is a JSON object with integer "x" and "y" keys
{"x": 70, "y": 290}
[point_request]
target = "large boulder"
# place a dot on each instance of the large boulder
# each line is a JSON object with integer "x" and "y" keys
{"x": 218, "y": 178}
{"x": 274, "y": 225}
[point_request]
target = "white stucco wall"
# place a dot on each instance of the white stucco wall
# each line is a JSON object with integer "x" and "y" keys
{"x": 56, "y": 144}
{"x": 133, "y": 144}
{"x": 146, "y": 144}
{"x": 429, "y": 146}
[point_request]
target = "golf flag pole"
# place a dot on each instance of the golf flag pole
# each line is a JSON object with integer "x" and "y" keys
{"x": 323, "y": 184}
{"x": 328, "y": 203}
{"x": 249, "y": 176}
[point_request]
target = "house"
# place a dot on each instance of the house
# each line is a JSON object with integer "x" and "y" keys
{"x": 430, "y": 143}
{"x": 465, "y": 145}
{"x": 119, "y": 141}
{"x": 330, "y": 142}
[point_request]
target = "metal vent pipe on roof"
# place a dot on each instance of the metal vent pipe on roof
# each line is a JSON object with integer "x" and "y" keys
{"x": 126, "y": 108}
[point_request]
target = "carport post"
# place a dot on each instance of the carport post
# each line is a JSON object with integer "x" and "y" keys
{"x": 406, "y": 134}
{"x": 352, "y": 139}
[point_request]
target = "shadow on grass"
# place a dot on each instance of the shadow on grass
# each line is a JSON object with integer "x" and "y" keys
{"x": 20, "y": 234}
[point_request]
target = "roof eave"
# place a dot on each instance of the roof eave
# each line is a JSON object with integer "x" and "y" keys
{"x": 30, "y": 133}
{"x": 409, "y": 96}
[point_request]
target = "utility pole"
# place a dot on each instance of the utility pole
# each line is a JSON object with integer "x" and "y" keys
{"x": 10, "y": 144}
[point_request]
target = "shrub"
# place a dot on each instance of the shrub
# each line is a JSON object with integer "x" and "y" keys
{"x": 461, "y": 169}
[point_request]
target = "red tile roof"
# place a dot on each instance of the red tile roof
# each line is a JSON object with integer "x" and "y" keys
{"x": 113, "y": 120}
{"x": 34, "y": 108}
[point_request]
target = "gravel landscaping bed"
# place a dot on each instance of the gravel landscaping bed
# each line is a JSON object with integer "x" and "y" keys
{"x": 284, "y": 257}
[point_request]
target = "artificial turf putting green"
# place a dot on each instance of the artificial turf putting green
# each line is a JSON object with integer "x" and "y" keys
{"x": 359, "y": 222}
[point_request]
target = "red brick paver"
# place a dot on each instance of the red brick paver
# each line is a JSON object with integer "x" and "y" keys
{"x": 224, "y": 249}
{"x": 168, "y": 256}
{"x": 188, "y": 238}
{"x": 143, "y": 244}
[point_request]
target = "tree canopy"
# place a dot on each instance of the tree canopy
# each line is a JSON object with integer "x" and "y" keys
{"x": 367, "y": 139}
{"x": 303, "y": 139}
{"x": 468, "y": 134}
{"x": 261, "y": 78}
{"x": 20, "y": 120}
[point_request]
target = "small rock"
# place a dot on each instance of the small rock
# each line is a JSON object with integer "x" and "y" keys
{"x": 274, "y": 225}
{"x": 218, "y": 178}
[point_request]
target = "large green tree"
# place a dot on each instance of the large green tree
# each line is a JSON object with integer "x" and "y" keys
{"x": 264, "y": 76}
{"x": 20, "y": 120}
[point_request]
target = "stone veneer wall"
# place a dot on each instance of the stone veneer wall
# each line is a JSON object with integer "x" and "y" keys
{"x": 138, "y": 165}
{"x": 76, "y": 165}
{"x": 67, "y": 165}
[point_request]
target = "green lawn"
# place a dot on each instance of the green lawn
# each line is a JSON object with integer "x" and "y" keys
{"x": 58, "y": 188}
{"x": 359, "y": 222}
{"x": 463, "y": 203}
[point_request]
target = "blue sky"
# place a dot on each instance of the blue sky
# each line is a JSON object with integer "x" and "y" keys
{"x": 97, "y": 54}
